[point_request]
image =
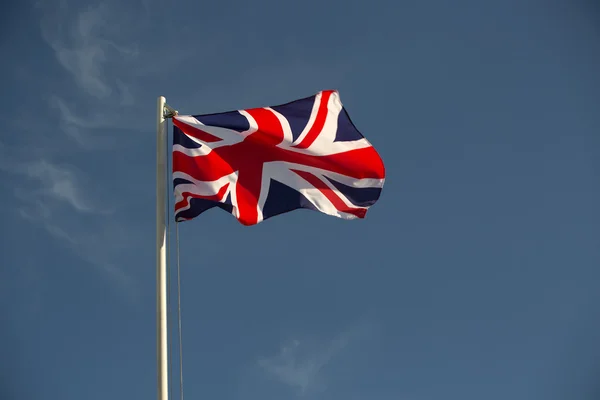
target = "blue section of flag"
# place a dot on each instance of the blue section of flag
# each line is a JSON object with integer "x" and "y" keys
{"x": 297, "y": 114}
{"x": 198, "y": 206}
{"x": 360, "y": 197}
{"x": 231, "y": 120}
{"x": 282, "y": 199}
{"x": 346, "y": 131}
{"x": 179, "y": 138}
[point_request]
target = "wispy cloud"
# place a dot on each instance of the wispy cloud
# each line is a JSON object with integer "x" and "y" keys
{"x": 55, "y": 197}
{"x": 299, "y": 363}
{"x": 85, "y": 46}
{"x": 299, "y": 367}
{"x": 59, "y": 183}
{"x": 84, "y": 130}
{"x": 97, "y": 48}
{"x": 48, "y": 182}
{"x": 91, "y": 245}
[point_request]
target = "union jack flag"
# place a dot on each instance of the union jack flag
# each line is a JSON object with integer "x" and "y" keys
{"x": 261, "y": 162}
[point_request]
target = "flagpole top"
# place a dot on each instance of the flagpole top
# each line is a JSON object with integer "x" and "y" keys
{"x": 167, "y": 110}
{"x": 170, "y": 112}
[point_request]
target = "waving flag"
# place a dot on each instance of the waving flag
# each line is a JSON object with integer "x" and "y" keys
{"x": 261, "y": 162}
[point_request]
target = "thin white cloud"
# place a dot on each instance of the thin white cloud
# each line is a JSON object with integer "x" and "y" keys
{"x": 299, "y": 364}
{"x": 70, "y": 118}
{"x": 47, "y": 183}
{"x": 295, "y": 366}
{"x": 83, "y": 129}
{"x": 127, "y": 98}
{"x": 60, "y": 184}
{"x": 95, "y": 247}
{"x": 50, "y": 183}
{"x": 53, "y": 196}
{"x": 96, "y": 47}
{"x": 84, "y": 48}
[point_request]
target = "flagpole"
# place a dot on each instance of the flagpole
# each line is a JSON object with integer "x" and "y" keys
{"x": 161, "y": 251}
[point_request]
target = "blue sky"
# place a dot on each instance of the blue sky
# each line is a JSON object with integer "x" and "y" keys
{"x": 474, "y": 277}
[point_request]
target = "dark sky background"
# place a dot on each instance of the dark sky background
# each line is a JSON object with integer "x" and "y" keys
{"x": 474, "y": 277}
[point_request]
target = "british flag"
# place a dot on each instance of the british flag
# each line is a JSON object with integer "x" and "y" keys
{"x": 261, "y": 162}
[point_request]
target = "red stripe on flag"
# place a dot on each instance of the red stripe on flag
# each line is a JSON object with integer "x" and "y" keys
{"x": 358, "y": 163}
{"x": 203, "y": 168}
{"x": 319, "y": 122}
{"x": 330, "y": 194}
{"x": 247, "y": 192}
{"x": 270, "y": 131}
{"x": 187, "y": 196}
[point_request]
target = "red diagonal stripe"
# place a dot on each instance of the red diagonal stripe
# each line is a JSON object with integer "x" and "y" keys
{"x": 319, "y": 122}
{"x": 247, "y": 192}
{"x": 215, "y": 197}
{"x": 203, "y": 168}
{"x": 270, "y": 132}
{"x": 358, "y": 164}
{"x": 330, "y": 194}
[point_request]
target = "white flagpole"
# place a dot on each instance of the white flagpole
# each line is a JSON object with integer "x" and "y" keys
{"x": 161, "y": 251}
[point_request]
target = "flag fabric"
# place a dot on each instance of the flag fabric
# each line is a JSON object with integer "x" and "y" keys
{"x": 261, "y": 162}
